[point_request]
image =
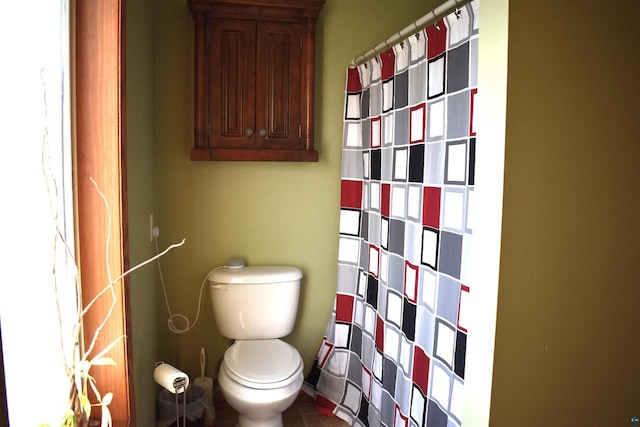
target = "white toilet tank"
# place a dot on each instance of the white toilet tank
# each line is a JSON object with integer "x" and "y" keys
{"x": 255, "y": 302}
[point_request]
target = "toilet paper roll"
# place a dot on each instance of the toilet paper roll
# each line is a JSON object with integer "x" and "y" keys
{"x": 171, "y": 378}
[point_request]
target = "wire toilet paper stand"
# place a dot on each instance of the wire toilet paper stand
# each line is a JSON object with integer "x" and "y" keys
{"x": 176, "y": 382}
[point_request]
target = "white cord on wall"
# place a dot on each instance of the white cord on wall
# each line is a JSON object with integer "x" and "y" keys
{"x": 170, "y": 322}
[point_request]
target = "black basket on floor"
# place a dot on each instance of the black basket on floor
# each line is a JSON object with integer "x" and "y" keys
{"x": 170, "y": 413}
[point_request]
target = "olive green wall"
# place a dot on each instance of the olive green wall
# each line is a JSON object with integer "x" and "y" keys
{"x": 144, "y": 290}
{"x": 567, "y": 345}
{"x": 268, "y": 213}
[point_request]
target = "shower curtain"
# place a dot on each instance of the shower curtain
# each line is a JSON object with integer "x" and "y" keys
{"x": 393, "y": 353}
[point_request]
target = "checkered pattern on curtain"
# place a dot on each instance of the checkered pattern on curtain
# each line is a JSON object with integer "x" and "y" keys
{"x": 395, "y": 347}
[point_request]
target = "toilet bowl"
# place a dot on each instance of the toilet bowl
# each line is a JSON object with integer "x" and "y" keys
{"x": 260, "y": 375}
{"x": 260, "y": 379}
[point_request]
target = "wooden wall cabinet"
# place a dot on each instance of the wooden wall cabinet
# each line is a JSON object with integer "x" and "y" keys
{"x": 254, "y": 79}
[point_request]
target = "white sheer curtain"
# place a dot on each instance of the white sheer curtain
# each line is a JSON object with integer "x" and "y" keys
{"x": 35, "y": 153}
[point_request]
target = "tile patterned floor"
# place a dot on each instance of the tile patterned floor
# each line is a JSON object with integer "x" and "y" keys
{"x": 301, "y": 414}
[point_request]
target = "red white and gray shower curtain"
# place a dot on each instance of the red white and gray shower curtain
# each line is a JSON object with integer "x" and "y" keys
{"x": 394, "y": 350}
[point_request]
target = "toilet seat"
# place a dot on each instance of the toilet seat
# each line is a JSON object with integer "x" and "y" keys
{"x": 262, "y": 364}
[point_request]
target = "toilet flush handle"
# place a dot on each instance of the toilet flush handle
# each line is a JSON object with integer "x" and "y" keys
{"x": 220, "y": 286}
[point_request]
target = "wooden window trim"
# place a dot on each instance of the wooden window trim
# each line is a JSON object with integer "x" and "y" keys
{"x": 100, "y": 150}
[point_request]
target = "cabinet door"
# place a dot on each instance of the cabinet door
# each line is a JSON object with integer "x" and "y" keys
{"x": 232, "y": 70}
{"x": 278, "y": 85}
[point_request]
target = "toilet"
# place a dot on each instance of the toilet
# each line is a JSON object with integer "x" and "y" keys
{"x": 260, "y": 375}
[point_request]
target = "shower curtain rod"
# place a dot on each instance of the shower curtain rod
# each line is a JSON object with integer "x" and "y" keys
{"x": 410, "y": 29}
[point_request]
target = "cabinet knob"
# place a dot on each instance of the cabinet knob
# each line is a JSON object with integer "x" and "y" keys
{"x": 248, "y": 131}
{"x": 262, "y": 132}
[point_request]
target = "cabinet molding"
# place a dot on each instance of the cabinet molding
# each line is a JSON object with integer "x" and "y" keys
{"x": 254, "y": 79}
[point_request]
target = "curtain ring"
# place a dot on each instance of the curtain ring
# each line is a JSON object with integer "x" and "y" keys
{"x": 458, "y": 13}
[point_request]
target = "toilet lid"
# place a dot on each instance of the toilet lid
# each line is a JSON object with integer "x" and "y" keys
{"x": 260, "y": 363}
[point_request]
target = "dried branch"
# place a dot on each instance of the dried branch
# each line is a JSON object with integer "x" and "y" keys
{"x": 78, "y": 368}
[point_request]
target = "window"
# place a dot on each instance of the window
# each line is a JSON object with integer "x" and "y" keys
{"x": 36, "y": 384}
{"x": 35, "y": 104}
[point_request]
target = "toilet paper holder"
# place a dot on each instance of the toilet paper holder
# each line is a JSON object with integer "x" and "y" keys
{"x": 170, "y": 378}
